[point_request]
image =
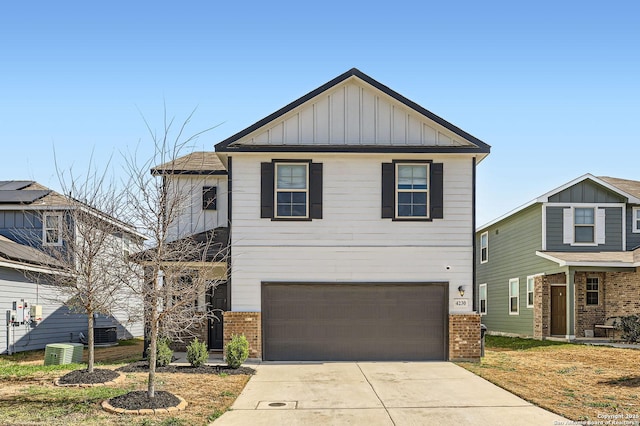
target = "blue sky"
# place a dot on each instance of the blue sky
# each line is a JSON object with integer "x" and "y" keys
{"x": 553, "y": 87}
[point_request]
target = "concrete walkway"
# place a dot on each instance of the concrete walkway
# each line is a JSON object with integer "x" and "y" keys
{"x": 377, "y": 393}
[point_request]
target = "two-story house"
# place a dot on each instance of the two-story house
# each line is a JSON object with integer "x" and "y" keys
{"x": 351, "y": 213}
{"x": 31, "y": 223}
{"x": 562, "y": 263}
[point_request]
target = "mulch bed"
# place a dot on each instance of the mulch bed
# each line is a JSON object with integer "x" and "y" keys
{"x": 138, "y": 400}
{"x": 99, "y": 375}
{"x": 143, "y": 367}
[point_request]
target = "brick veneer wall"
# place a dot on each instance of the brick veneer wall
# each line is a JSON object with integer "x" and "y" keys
{"x": 542, "y": 303}
{"x": 464, "y": 337}
{"x": 589, "y": 315}
{"x": 247, "y": 323}
{"x": 622, "y": 293}
{"x": 196, "y": 330}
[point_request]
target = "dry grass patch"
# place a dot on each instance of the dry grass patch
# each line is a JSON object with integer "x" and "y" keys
{"x": 576, "y": 381}
{"x": 35, "y": 400}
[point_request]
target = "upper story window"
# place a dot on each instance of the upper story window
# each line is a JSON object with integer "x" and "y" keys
{"x": 514, "y": 296}
{"x": 209, "y": 198}
{"x": 636, "y": 219}
{"x": 484, "y": 247}
{"x": 593, "y": 291}
{"x": 52, "y": 229}
{"x": 483, "y": 299}
{"x": 412, "y": 190}
{"x": 291, "y": 190}
{"x": 584, "y": 225}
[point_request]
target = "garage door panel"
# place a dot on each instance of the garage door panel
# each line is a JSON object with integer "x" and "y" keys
{"x": 354, "y": 321}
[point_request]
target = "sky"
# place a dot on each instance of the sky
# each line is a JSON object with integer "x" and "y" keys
{"x": 552, "y": 86}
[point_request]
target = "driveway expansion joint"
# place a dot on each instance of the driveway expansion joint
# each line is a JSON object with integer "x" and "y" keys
{"x": 376, "y": 394}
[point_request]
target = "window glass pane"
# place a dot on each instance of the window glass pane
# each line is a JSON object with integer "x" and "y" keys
{"x": 584, "y": 234}
{"x": 412, "y": 177}
{"x": 404, "y": 197}
{"x": 404, "y": 209}
{"x": 514, "y": 304}
{"x": 530, "y": 299}
{"x": 284, "y": 197}
{"x": 483, "y": 306}
{"x": 419, "y": 210}
{"x": 284, "y": 210}
{"x": 514, "y": 288}
{"x": 483, "y": 292}
{"x": 299, "y": 197}
{"x": 51, "y": 221}
{"x": 584, "y": 216}
{"x": 292, "y": 176}
{"x": 483, "y": 240}
{"x": 298, "y": 210}
{"x": 420, "y": 198}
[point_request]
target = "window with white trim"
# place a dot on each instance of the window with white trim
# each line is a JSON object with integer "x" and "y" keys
{"x": 483, "y": 299}
{"x": 593, "y": 291}
{"x": 514, "y": 296}
{"x": 530, "y": 291}
{"x": 636, "y": 219}
{"x": 484, "y": 247}
{"x": 584, "y": 223}
{"x": 292, "y": 190}
{"x": 52, "y": 229}
{"x": 412, "y": 190}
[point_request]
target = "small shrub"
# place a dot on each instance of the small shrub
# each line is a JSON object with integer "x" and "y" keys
{"x": 197, "y": 353}
{"x": 164, "y": 354}
{"x": 630, "y": 327}
{"x": 237, "y": 351}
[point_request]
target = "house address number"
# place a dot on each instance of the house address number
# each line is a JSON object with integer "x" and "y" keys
{"x": 460, "y": 303}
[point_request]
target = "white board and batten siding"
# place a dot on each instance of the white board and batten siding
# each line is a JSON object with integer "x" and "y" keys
{"x": 192, "y": 219}
{"x": 354, "y": 113}
{"x": 352, "y": 243}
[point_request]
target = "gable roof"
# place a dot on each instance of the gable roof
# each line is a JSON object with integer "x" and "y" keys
{"x": 466, "y": 143}
{"x": 35, "y": 196}
{"x": 196, "y": 163}
{"x": 625, "y": 188}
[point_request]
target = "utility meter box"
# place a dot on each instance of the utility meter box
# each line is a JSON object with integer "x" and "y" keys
{"x": 36, "y": 313}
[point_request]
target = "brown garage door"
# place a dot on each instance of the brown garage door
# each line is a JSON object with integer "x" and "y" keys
{"x": 345, "y": 322}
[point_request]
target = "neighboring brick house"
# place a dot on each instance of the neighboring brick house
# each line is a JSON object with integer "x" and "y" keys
{"x": 352, "y": 229}
{"x": 564, "y": 262}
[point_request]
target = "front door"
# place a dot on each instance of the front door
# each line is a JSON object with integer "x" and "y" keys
{"x": 217, "y": 304}
{"x": 558, "y": 310}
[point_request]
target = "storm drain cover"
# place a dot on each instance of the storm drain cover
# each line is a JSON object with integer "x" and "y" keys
{"x": 277, "y": 405}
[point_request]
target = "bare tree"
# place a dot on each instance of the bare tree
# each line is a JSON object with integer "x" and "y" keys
{"x": 86, "y": 241}
{"x": 177, "y": 271}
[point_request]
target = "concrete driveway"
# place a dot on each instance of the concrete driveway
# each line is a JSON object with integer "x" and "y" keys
{"x": 377, "y": 393}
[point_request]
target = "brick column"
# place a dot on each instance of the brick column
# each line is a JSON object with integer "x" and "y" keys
{"x": 464, "y": 337}
{"x": 247, "y": 323}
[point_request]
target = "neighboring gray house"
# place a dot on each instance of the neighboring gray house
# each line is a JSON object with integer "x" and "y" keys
{"x": 562, "y": 263}
{"x": 30, "y": 218}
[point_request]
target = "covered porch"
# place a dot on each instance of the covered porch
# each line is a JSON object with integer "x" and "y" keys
{"x": 593, "y": 288}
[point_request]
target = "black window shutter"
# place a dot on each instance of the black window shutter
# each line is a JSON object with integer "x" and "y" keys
{"x": 388, "y": 190}
{"x": 315, "y": 191}
{"x": 437, "y": 202}
{"x": 266, "y": 192}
